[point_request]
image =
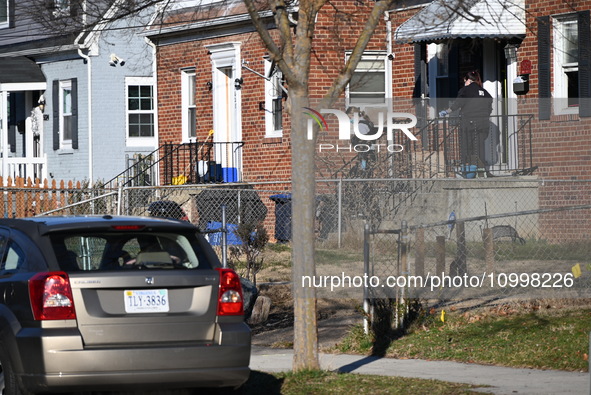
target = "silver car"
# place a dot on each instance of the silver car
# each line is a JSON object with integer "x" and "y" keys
{"x": 104, "y": 303}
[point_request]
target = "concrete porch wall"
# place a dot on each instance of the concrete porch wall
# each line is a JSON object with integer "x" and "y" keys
{"x": 474, "y": 198}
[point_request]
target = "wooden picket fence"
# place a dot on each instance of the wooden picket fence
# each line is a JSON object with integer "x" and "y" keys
{"x": 27, "y": 198}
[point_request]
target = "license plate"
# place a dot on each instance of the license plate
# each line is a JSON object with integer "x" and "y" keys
{"x": 146, "y": 301}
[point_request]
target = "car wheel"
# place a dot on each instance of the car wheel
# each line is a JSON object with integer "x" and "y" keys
{"x": 9, "y": 382}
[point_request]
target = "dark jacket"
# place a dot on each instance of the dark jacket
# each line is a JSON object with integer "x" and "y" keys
{"x": 473, "y": 101}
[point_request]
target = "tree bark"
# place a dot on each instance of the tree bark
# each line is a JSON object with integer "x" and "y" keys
{"x": 303, "y": 192}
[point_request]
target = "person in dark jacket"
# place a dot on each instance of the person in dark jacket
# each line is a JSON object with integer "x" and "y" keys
{"x": 475, "y": 106}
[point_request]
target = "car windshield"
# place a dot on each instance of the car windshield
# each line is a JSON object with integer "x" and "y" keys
{"x": 126, "y": 251}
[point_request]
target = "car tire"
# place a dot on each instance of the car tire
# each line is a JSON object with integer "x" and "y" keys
{"x": 11, "y": 383}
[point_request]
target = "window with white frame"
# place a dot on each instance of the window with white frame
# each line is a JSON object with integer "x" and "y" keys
{"x": 368, "y": 83}
{"x": 4, "y": 6}
{"x": 140, "y": 111}
{"x": 65, "y": 113}
{"x": 566, "y": 64}
{"x": 189, "y": 116}
{"x": 274, "y": 95}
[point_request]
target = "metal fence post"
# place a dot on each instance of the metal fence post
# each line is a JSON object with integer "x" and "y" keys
{"x": 420, "y": 253}
{"x": 459, "y": 265}
{"x": 440, "y": 255}
{"x": 239, "y": 207}
{"x": 489, "y": 252}
{"x": 119, "y": 199}
{"x": 366, "y": 306}
{"x": 403, "y": 269}
{"x": 224, "y": 238}
{"x": 340, "y": 212}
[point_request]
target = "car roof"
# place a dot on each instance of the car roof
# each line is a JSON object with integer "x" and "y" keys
{"x": 47, "y": 224}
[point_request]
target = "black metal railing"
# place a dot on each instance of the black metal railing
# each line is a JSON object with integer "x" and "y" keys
{"x": 186, "y": 163}
{"x": 201, "y": 162}
{"x": 140, "y": 171}
{"x": 437, "y": 152}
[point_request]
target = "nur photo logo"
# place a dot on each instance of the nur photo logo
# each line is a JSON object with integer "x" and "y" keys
{"x": 349, "y": 127}
{"x": 316, "y": 116}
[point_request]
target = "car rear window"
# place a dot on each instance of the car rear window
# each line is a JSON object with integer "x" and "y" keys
{"x": 127, "y": 251}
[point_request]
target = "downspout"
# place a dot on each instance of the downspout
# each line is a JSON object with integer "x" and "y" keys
{"x": 155, "y": 88}
{"x": 390, "y": 55}
{"x": 389, "y": 52}
{"x": 89, "y": 112}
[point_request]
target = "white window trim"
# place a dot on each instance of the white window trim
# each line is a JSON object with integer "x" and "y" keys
{"x": 375, "y": 56}
{"x": 140, "y": 141}
{"x": 560, "y": 88}
{"x": 186, "y": 75}
{"x": 63, "y": 85}
{"x": 270, "y": 89}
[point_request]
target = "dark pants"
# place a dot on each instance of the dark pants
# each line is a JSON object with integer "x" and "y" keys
{"x": 473, "y": 133}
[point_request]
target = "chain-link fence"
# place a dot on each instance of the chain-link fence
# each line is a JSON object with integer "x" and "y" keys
{"x": 480, "y": 259}
{"x": 516, "y": 237}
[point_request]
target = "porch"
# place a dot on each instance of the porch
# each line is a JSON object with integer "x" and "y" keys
{"x": 436, "y": 152}
{"x": 22, "y": 84}
{"x": 185, "y": 163}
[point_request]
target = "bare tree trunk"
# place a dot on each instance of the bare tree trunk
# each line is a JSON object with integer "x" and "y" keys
{"x": 303, "y": 193}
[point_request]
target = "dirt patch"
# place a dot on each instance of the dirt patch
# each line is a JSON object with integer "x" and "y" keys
{"x": 335, "y": 319}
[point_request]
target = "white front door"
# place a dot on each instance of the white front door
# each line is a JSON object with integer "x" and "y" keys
{"x": 227, "y": 123}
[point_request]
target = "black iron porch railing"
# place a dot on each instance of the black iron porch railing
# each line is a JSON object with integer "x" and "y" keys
{"x": 436, "y": 152}
{"x": 187, "y": 163}
{"x": 201, "y": 162}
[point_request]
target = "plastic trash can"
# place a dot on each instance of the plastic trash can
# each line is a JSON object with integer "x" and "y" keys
{"x": 282, "y": 217}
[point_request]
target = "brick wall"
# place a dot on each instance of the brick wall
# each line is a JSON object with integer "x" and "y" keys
{"x": 560, "y": 144}
{"x": 270, "y": 158}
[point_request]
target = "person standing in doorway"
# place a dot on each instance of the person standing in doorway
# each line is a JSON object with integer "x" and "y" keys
{"x": 475, "y": 106}
{"x": 365, "y": 149}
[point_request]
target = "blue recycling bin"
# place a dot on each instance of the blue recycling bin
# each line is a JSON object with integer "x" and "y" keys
{"x": 282, "y": 217}
{"x": 215, "y": 238}
{"x": 469, "y": 171}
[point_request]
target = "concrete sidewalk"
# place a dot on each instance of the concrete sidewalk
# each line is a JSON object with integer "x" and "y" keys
{"x": 500, "y": 380}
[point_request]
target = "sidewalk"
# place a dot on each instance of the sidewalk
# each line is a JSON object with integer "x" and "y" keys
{"x": 500, "y": 380}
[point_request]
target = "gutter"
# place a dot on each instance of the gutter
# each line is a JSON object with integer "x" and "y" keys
{"x": 220, "y": 21}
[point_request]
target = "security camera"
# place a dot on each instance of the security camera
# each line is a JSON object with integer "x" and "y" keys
{"x": 114, "y": 60}
{"x": 391, "y": 56}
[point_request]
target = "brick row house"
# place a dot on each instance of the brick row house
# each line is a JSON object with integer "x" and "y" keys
{"x": 214, "y": 75}
{"x": 223, "y": 105}
{"x": 236, "y": 90}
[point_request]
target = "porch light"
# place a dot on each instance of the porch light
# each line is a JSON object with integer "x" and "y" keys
{"x": 238, "y": 83}
{"x": 511, "y": 53}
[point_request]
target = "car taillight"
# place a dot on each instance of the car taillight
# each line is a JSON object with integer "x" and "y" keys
{"x": 230, "y": 293}
{"x": 51, "y": 296}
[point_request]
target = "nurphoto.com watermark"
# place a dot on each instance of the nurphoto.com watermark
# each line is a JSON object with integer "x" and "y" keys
{"x": 449, "y": 286}
{"x": 349, "y": 127}
{"x": 434, "y": 282}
